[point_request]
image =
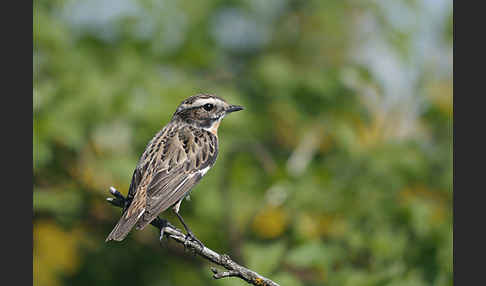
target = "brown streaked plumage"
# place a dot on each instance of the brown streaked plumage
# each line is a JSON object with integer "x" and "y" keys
{"x": 174, "y": 161}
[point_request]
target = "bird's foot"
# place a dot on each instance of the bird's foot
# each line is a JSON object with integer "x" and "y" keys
{"x": 162, "y": 233}
{"x": 191, "y": 237}
{"x": 118, "y": 200}
{"x": 162, "y": 225}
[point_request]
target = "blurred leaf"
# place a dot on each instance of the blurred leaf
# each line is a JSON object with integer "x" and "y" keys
{"x": 270, "y": 222}
{"x": 263, "y": 256}
{"x": 284, "y": 278}
{"x": 311, "y": 254}
{"x": 51, "y": 261}
{"x": 62, "y": 203}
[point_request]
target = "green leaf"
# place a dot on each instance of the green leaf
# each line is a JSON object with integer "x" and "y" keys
{"x": 263, "y": 257}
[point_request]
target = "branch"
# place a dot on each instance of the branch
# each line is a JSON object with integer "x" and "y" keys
{"x": 234, "y": 269}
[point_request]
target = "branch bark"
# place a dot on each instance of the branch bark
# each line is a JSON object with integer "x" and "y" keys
{"x": 233, "y": 268}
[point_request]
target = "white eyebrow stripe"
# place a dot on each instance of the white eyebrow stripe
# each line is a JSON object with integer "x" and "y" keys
{"x": 203, "y": 101}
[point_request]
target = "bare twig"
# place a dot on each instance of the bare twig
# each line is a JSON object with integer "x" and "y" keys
{"x": 234, "y": 269}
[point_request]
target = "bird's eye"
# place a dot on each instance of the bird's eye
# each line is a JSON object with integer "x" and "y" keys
{"x": 208, "y": 106}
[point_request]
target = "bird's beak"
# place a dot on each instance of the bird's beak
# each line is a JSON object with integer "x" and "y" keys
{"x": 234, "y": 108}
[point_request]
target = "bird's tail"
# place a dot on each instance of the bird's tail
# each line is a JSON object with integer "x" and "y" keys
{"x": 123, "y": 227}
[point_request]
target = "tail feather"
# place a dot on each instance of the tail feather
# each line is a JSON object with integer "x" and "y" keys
{"x": 123, "y": 227}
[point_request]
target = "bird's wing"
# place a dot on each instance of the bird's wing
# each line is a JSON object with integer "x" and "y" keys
{"x": 186, "y": 157}
{"x": 138, "y": 187}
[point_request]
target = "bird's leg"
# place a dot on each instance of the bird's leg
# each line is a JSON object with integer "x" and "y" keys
{"x": 189, "y": 234}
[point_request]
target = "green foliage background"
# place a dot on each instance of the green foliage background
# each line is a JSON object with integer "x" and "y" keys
{"x": 338, "y": 172}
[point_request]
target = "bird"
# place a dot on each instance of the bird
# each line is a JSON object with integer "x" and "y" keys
{"x": 173, "y": 162}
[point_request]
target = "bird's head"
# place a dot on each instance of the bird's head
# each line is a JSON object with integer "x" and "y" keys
{"x": 204, "y": 111}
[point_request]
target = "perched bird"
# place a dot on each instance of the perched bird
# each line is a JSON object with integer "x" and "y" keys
{"x": 173, "y": 162}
